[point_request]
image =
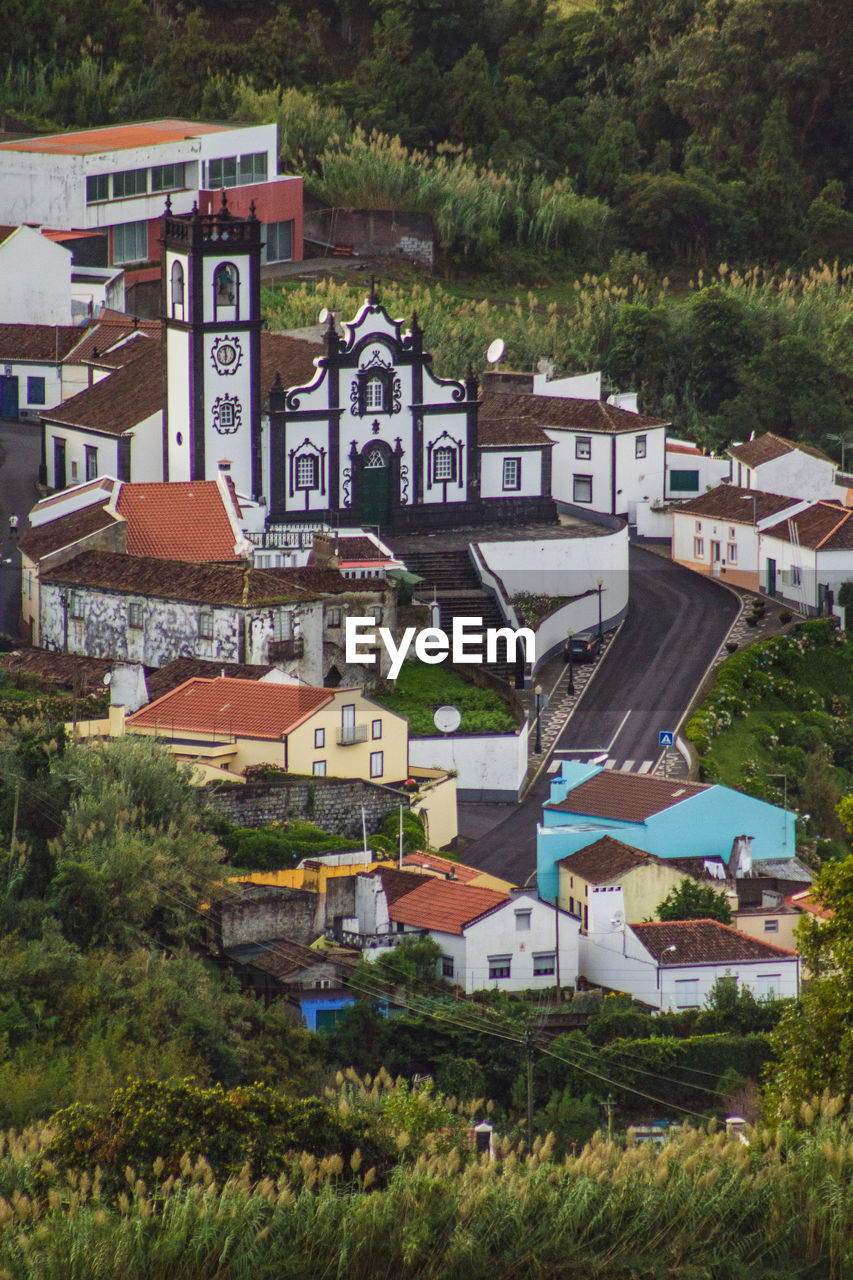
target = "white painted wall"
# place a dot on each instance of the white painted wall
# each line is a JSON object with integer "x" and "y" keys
{"x": 639, "y": 479}
{"x": 488, "y": 766}
{"x": 146, "y": 450}
{"x": 75, "y": 453}
{"x": 709, "y": 470}
{"x": 580, "y": 386}
{"x": 35, "y": 280}
{"x": 797, "y": 474}
{"x": 830, "y": 568}
{"x": 565, "y": 465}
{"x": 499, "y": 934}
{"x": 24, "y": 369}
{"x": 491, "y": 473}
{"x": 178, "y": 400}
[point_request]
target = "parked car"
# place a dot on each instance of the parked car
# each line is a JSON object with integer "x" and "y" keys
{"x": 583, "y": 648}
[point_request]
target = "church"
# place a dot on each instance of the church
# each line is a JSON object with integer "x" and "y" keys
{"x": 373, "y": 438}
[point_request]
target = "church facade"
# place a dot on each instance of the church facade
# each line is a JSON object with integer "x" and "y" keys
{"x": 374, "y": 438}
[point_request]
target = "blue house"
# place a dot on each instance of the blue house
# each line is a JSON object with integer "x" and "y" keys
{"x": 664, "y": 816}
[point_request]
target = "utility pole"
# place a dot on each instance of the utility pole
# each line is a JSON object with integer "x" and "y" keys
{"x": 14, "y": 840}
{"x": 531, "y": 1058}
{"x": 608, "y": 1107}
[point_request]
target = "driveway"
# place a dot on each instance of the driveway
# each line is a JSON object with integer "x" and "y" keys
{"x": 676, "y": 622}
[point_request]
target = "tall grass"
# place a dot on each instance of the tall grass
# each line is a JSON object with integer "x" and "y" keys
{"x": 701, "y": 1206}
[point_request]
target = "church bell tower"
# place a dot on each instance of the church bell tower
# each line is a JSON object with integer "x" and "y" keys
{"x": 211, "y": 285}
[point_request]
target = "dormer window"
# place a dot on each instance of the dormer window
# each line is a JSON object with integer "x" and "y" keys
{"x": 226, "y": 292}
{"x": 177, "y": 291}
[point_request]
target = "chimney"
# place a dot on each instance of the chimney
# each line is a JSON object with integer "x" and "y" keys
{"x": 225, "y": 466}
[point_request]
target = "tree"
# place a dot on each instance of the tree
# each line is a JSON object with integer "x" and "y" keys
{"x": 694, "y": 901}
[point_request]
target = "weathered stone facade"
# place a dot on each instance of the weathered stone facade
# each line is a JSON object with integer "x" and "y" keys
{"x": 334, "y": 804}
{"x": 271, "y": 912}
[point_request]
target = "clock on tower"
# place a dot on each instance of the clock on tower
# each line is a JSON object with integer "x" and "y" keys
{"x": 211, "y": 321}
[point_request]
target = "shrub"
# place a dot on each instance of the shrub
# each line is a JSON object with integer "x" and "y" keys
{"x": 731, "y": 646}
{"x": 785, "y": 616}
{"x": 752, "y": 620}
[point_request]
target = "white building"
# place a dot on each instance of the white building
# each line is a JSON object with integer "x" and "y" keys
{"x": 31, "y": 358}
{"x": 690, "y": 471}
{"x": 805, "y": 559}
{"x": 718, "y": 533}
{"x": 35, "y": 278}
{"x": 776, "y": 465}
{"x": 673, "y": 965}
{"x": 115, "y": 180}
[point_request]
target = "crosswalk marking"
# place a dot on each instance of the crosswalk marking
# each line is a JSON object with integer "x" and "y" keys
{"x": 645, "y": 766}
{"x": 609, "y": 763}
{"x": 553, "y": 766}
{"x": 627, "y": 766}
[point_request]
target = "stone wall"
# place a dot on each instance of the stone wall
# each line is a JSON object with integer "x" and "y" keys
{"x": 334, "y": 804}
{"x": 272, "y": 913}
{"x": 372, "y": 231}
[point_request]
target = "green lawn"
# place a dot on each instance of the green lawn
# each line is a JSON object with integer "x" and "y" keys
{"x": 419, "y": 689}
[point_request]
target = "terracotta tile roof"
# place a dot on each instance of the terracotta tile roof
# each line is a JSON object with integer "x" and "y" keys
{"x": 163, "y": 680}
{"x": 444, "y": 905}
{"x": 626, "y": 797}
{"x": 245, "y": 708}
{"x": 291, "y": 358}
{"x": 60, "y": 669}
{"x": 734, "y": 503}
{"x": 202, "y": 583}
{"x": 114, "y": 137}
{"x": 442, "y": 866}
{"x": 177, "y": 520}
{"x": 119, "y": 402}
{"x": 770, "y": 446}
{"x": 605, "y": 859}
{"x": 562, "y": 412}
{"x": 804, "y": 900}
{"x": 705, "y": 942}
{"x": 66, "y": 530}
{"x": 46, "y": 343}
{"x": 5, "y": 232}
{"x": 826, "y": 526}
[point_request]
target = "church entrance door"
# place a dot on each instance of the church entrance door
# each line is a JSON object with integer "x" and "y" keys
{"x": 374, "y": 490}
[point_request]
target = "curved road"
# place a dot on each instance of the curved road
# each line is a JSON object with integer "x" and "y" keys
{"x": 676, "y": 622}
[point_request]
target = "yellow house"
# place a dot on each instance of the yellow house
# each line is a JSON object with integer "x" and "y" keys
{"x": 645, "y": 879}
{"x": 234, "y": 723}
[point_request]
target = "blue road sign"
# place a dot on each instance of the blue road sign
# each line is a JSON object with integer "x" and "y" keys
{"x": 666, "y": 739}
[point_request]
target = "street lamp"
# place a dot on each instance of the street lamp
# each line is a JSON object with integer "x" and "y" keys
{"x": 538, "y": 692}
{"x": 599, "y": 585}
{"x": 571, "y": 688}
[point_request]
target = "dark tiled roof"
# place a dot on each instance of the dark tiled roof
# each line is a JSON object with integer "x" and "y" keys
{"x": 165, "y": 679}
{"x": 245, "y": 708}
{"x": 444, "y": 905}
{"x": 359, "y": 549}
{"x": 626, "y": 797}
{"x": 826, "y": 526}
{"x": 496, "y": 433}
{"x": 398, "y": 883}
{"x": 119, "y": 402}
{"x": 100, "y": 341}
{"x": 732, "y": 502}
{"x": 704, "y": 942}
{"x": 769, "y": 446}
{"x": 60, "y": 669}
{"x": 563, "y": 412}
{"x": 65, "y": 531}
{"x": 606, "y": 858}
{"x": 291, "y": 358}
{"x": 202, "y": 583}
{"x": 46, "y": 343}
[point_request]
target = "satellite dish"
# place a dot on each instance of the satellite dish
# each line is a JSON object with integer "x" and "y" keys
{"x": 108, "y": 678}
{"x": 447, "y": 719}
{"x": 323, "y": 316}
{"x": 496, "y": 351}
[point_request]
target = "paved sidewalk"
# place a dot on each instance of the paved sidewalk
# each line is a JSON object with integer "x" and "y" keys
{"x": 554, "y": 679}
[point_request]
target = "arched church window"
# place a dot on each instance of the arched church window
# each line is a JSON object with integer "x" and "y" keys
{"x": 226, "y": 292}
{"x": 375, "y": 460}
{"x": 177, "y": 291}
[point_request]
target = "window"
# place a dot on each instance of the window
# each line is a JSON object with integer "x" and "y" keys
{"x": 640, "y": 447}
{"x": 522, "y": 921}
{"x": 684, "y": 481}
{"x": 279, "y": 246}
{"x": 499, "y": 966}
{"x": 167, "y": 177}
{"x": 97, "y": 188}
{"x": 205, "y": 625}
{"x": 222, "y": 173}
{"x": 375, "y": 729}
{"x": 732, "y": 532}
{"x": 134, "y": 615}
{"x": 91, "y": 462}
{"x": 444, "y": 464}
{"x": 687, "y": 993}
{"x": 796, "y": 577}
{"x": 377, "y": 764}
{"x": 226, "y": 415}
{"x": 333, "y": 617}
{"x": 512, "y": 474}
{"x": 447, "y": 966}
{"x": 35, "y": 390}
{"x": 319, "y": 738}
{"x": 226, "y": 291}
{"x": 583, "y": 446}
{"x": 698, "y": 548}
{"x": 374, "y": 397}
{"x": 319, "y": 769}
{"x": 771, "y": 926}
{"x": 133, "y": 182}
{"x": 177, "y": 291}
{"x": 253, "y": 168}
{"x": 375, "y": 612}
{"x": 75, "y": 605}
{"x": 307, "y": 471}
{"x": 282, "y": 624}
{"x": 130, "y": 242}
{"x": 731, "y": 553}
{"x": 582, "y": 491}
{"x": 544, "y": 964}
{"x": 768, "y": 985}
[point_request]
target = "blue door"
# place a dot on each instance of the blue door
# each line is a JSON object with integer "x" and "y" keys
{"x": 8, "y": 397}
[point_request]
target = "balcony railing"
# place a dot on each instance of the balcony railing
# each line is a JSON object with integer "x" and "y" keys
{"x": 350, "y": 734}
{"x": 284, "y": 650}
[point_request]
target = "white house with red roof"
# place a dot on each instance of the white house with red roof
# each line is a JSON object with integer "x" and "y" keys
{"x": 673, "y": 965}
{"x": 777, "y": 465}
{"x": 805, "y": 559}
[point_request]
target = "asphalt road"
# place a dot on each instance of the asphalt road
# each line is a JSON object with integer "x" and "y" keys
{"x": 676, "y": 622}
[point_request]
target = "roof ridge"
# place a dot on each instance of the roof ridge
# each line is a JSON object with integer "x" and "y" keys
{"x": 832, "y": 531}
{"x": 661, "y": 924}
